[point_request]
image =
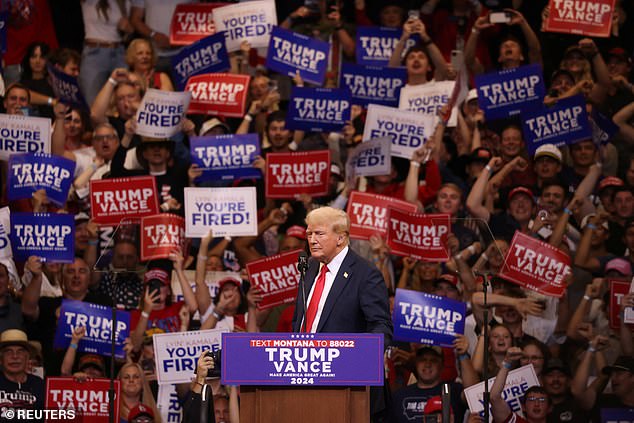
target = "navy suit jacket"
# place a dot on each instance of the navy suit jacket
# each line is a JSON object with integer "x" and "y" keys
{"x": 357, "y": 303}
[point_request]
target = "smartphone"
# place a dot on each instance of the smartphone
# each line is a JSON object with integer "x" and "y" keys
{"x": 457, "y": 59}
{"x": 499, "y": 17}
{"x": 26, "y": 111}
{"x": 155, "y": 286}
{"x": 272, "y": 85}
{"x": 413, "y": 14}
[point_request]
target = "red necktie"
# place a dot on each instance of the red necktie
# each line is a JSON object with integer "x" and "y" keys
{"x": 314, "y": 300}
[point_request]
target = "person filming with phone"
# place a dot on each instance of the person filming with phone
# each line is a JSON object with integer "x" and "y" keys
{"x": 206, "y": 401}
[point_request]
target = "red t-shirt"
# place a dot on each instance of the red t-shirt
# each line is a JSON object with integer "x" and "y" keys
{"x": 25, "y": 28}
{"x": 166, "y": 319}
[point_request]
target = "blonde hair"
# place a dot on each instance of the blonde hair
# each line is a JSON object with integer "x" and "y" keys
{"x": 337, "y": 219}
{"x": 130, "y": 53}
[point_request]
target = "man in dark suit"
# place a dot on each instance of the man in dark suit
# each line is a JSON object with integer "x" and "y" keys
{"x": 343, "y": 291}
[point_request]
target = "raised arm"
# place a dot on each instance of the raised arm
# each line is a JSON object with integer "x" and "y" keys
{"x": 71, "y": 351}
{"x": 622, "y": 119}
{"x": 101, "y": 103}
{"x": 203, "y": 298}
{"x": 475, "y": 200}
{"x": 586, "y": 395}
{"x": 471, "y": 61}
{"x": 532, "y": 42}
{"x": 31, "y": 295}
{"x": 499, "y": 408}
{"x": 190, "y": 298}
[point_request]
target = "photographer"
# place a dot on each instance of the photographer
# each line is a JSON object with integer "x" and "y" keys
{"x": 217, "y": 412}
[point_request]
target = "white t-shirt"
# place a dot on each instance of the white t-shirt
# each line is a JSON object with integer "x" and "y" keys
{"x": 95, "y": 24}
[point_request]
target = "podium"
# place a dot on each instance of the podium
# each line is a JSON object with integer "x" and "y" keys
{"x": 303, "y": 378}
{"x": 285, "y": 404}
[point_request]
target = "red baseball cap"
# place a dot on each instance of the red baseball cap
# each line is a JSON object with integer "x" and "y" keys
{"x": 296, "y": 231}
{"x": 140, "y": 410}
{"x": 610, "y": 181}
{"x": 521, "y": 190}
{"x": 159, "y": 274}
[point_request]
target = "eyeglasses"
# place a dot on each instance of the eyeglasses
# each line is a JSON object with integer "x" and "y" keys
{"x": 537, "y": 399}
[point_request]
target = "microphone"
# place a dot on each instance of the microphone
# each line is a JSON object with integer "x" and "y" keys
{"x": 302, "y": 266}
{"x": 302, "y": 263}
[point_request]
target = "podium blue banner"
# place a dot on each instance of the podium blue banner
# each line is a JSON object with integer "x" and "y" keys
{"x": 208, "y": 55}
{"x": 49, "y": 236}
{"x": 290, "y": 52}
{"x": 427, "y": 318}
{"x": 226, "y": 157}
{"x": 507, "y": 92}
{"x": 318, "y": 109}
{"x": 97, "y": 320}
{"x": 371, "y": 84}
{"x": 375, "y": 45}
{"x": 317, "y": 359}
{"x": 564, "y": 123}
{"x": 31, "y": 172}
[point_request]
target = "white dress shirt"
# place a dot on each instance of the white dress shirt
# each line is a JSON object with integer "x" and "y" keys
{"x": 333, "y": 269}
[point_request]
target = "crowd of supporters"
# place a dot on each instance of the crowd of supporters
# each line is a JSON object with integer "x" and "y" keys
{"x": 578, "y": 198}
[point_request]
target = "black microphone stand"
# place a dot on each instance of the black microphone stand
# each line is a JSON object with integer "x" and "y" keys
{"x": 486, "y": 395}
{"x": 302, "y": 266}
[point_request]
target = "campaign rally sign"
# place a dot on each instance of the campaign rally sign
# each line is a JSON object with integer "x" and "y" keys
{"x": 618, "y": 290}
{"x": 603, "y": 128}
{"x": 66, "y": 88}
{"x": 426, "y": 318}
{"x": 517, "y": 383}
{"x": 368, "y": 213}
{"x": 333, "y": 359}
{"x": 421, "y": 236}
{"x": 97, "y": 320}
{"x": 169, "y": 404}
{"x": 536, "y": 265}
{"x": 375, "y": 45}
{"x": 564, "y": 123}
{"x": 161, "y": 113}
{"x": 226, "y": 157}
{"x": 31, "y": 172}
{"x": 207, "y": 55}
{"x": 318, "y": 109}
{"x": 251, "y": 21}
{"x": 112, "y": 200}
{"x": 592, "y": 18}
{"x": 160, "y": 235}
{"x": 290, "y": 52}
{"x": 427, "y": 98}
{"x": 192, "y": 22}
{"x": 370, "y": 158}
{"x": 90, "y": 400}
{"x": 226, "y": 211}
{"x": 370, "y": 84}
{"x": 617, "y": 415}
{"x": 505, "y": 93}
{"x": 291, "y": 174}
{"x": 5, "y": 227}
{"x": 176, "y": 354}
{"x": 47, "y": 235}
{"x": 24, "y": 134}
{"x": 221, "y": 94}
{"x": 407, "y": 130}
{"x": 277, "y": 277}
